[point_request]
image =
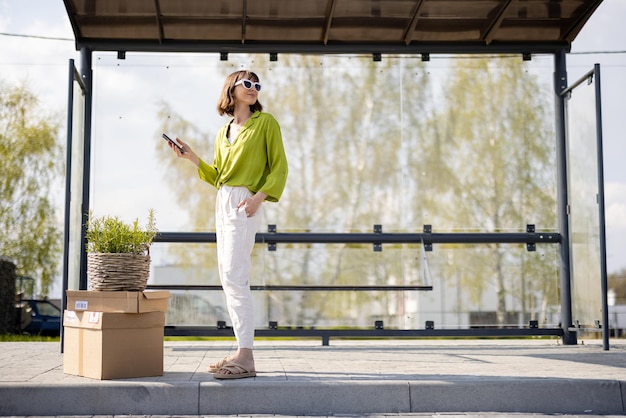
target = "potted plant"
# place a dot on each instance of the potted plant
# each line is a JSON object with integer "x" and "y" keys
{"x": 118, "y": 253}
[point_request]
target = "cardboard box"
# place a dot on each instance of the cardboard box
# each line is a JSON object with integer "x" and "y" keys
{"x": 127, "y": 302}
{"x": 107, "y": 345}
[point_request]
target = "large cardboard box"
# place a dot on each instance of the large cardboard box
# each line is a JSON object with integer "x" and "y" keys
{"x": 108, "y": 345}
{"x": 127, "y": 302}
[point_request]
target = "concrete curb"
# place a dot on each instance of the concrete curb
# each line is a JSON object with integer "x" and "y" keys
{"x": 308, "y": 398}
{"x": 556, "y": 396}
{"x": 315, "y": 398}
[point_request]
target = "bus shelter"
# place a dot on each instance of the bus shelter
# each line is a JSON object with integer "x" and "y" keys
{"x": 409, "y": 31}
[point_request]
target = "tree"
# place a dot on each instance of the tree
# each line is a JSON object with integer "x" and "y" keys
{"x": 498, "y": 161}
{"x": 32, "y": 162}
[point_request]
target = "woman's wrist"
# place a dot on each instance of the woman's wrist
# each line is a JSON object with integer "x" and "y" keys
{"x": 195, "y": 160}
{"x": 259, "y": 196}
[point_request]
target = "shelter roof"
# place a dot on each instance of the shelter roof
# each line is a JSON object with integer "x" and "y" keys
{"x": 329, "y": 26}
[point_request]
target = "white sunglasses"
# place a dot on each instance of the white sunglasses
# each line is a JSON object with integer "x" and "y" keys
{"x": 248, "y": 84}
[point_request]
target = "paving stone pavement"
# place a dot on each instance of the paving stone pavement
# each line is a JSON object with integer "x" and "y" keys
{"x": 418, "y": 377}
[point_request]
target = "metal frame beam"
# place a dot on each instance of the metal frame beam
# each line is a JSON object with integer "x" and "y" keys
{"x": 326, "y": 334}
{"x": 86, "y": 73}
{"x": 601, "y": 211}
{"x": 300, "y": 288}
{"x": 251, "y": 47}
{"x": 375, "y": 238}
{"x": 560, "y": 84}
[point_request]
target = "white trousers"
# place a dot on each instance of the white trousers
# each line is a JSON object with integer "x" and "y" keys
{"x": 235, "y": 234}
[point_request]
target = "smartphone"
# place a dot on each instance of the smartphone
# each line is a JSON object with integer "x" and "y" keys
{"x": 167, "y": 138}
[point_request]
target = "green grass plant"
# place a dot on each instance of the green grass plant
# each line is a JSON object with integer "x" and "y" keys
{"x": 109, "y": 234}
{"x": 27, "y": 338}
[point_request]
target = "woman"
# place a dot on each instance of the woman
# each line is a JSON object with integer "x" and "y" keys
{"x": 249, "y": 166}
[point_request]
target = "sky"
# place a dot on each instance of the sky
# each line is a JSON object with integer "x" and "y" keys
{"x": 43, "y": 64}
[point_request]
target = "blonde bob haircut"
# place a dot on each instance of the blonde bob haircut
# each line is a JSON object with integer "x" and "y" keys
{"x": 226, "y": 102}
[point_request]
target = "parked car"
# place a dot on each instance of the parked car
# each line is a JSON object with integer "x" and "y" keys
{"x": 38, "y": 317}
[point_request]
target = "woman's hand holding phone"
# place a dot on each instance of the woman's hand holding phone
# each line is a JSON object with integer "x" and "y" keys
{"x": 182, "y": 150}
{"x": 171, "y": 141}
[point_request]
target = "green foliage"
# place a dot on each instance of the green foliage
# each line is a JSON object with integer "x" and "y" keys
{"x": 32, "y": 164}
{"x": 191, "y": 196}
{"x": 27, "y": 338}
{"x": 110, "y": 234}
{"x": 498, "y": 162}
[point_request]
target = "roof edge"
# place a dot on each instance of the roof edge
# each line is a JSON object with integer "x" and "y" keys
{"x": 133, "y": 45}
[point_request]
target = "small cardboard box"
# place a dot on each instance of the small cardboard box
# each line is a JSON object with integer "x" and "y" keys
{"x": 126, "y": 302}
{"x": 107, "y": 345}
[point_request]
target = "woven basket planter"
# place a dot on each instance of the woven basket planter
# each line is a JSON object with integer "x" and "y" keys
{"x": 118, "y": 271}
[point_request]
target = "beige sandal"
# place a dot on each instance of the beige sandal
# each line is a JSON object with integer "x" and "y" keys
{"x": 237, "y": 371}
{"x": 215, "y": 368}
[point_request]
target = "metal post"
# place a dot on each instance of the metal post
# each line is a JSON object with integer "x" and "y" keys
{"x": 560, "y": 84}
{"x": 601, "y": 209}
{"x": 68, "y": 188}
{"x": 86, "y": 74}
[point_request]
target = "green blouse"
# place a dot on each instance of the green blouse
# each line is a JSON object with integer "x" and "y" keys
{"x": 256, "y": 159}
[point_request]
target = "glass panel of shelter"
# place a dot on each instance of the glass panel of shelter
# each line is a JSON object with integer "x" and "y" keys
{"x": 364, "y": 141}
{"x": 582, "y": 159}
